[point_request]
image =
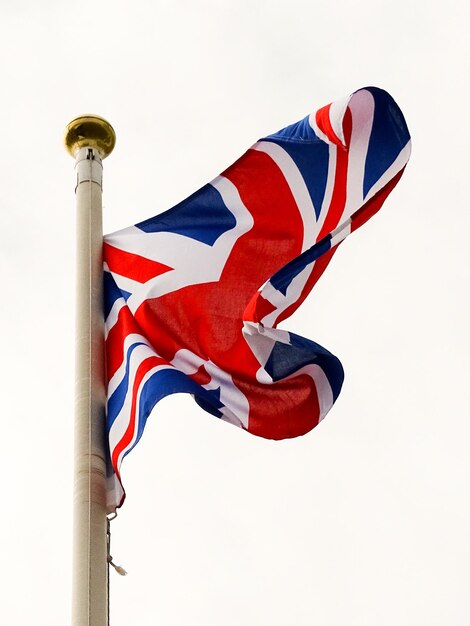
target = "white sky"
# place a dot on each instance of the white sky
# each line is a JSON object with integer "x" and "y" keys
{"x": 365, "y": 521}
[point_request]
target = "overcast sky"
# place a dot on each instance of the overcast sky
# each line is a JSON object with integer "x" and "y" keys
{"x": 364, "y": 521}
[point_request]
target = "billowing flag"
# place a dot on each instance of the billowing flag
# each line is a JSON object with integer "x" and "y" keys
{"x": 194, "y": 295}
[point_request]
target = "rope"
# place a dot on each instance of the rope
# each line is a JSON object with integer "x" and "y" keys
{"x": 120, "y": 570}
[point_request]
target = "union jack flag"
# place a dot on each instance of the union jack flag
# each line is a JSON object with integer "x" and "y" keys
{"x": 194, "y": 296}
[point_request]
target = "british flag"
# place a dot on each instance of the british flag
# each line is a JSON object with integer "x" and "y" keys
{"x": 194, "y": 296}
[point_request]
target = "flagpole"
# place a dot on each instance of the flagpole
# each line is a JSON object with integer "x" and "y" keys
{"x": 89, "y": 139}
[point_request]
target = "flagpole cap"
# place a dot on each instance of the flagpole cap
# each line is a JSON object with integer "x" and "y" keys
{"x": 90, "y": 131}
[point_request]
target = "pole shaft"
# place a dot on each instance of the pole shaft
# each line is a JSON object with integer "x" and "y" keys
{"x": 90, "y": 566}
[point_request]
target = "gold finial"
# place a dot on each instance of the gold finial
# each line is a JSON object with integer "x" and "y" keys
{"x": 90, "y": 131}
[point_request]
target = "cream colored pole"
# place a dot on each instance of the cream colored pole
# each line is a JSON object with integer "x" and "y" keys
{"x": 89, "y": 139}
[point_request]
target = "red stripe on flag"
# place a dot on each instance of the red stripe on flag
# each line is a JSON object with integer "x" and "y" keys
{"x": 131, "y": 265}
{"x": 201, "y": 377}
{"x": 258, "y": 308}
{"x": 338, "y": 198}
{"x": 124, "y": 326}
{"x": 126, "y": 439}
{"x": 293, "y": 407}
{"x": 322, "y": 118}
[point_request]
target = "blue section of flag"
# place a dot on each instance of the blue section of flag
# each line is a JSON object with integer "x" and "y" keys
{"x": 111, "y": 293}
{"x": 388, "y": 137}
{"x": 116, "y": 400}
{"x": 283, "y": 278}
{"x": 312, "y": 165}
{"x": 165, "y": 382}
{"x": 210, "y": 402}
{"x": 286, "y": 359}
{"x": 299, "y": 131}
{"x": 203, "y": 216}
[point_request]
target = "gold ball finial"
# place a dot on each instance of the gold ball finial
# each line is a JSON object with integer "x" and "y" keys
{"x": 90, "y": 131}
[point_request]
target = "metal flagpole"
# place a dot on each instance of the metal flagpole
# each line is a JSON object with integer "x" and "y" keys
{"x": 89, "y": 139}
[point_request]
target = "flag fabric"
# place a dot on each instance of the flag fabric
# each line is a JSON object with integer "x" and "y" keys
{"x": 194, "y": 295}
